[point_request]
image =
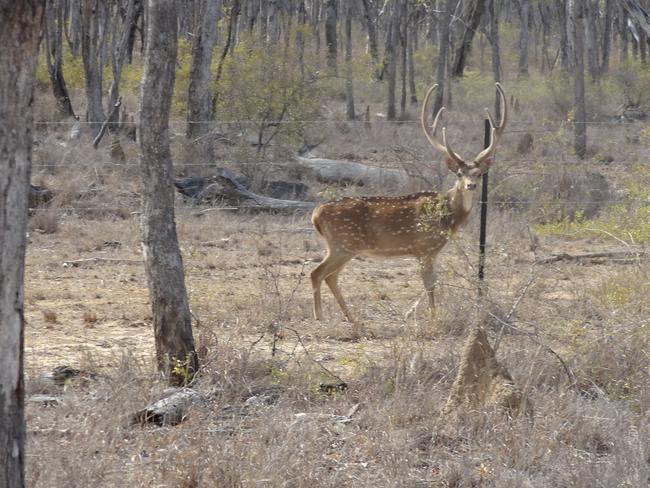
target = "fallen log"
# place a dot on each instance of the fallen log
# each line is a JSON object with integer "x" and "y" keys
{"x": 230, "y": 193}
{"x": 619, "y": 257}
{"x": 170, "y": 410}
{"x": 349, "y": 173}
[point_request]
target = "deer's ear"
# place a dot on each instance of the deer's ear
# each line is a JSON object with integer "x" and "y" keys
{"x": 452, "y": 164}
{"x": 484, "y": 165}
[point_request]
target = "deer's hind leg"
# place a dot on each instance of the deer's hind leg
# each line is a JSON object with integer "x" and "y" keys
{"x": 328, "y": 270}
{"x": 332, "y": 282}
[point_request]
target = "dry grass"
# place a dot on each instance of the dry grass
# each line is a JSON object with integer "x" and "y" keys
{"x": 247, "y": 277}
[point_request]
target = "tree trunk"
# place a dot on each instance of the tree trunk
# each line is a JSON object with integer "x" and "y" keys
{"x": 565, "y": 62}
{"x": 73, "y": 32}
{"x": 579, "y": 122}
{"x": 443, "y": 52}
{"x": 592, "y": 39}
{"x": 273, "y": 22}
{"x": 370, "y": 17}
{"x": 403, "y": 44}
{"x": 20, "y": 28}
{"x": 546, "y": 18}
{"x": 411, "y": 67}
{"x": 119, "y": 52}
{"x": 199, "y": 97}
{"x": 300, "y": 37}
{"x": 464, "y": 49}
{"x": 94, "y": 23}
{"x": 162, "y": 258}
{"x": 53, "y": 32}
{"x": 524, "y": 36}
{"x": 622, "y": 26}
{"x": 130, "y": 43}
{"x": 496, "y": 54}
{"x": 349, "y": 89}
{"x": 607, "y": 35}
{"x": 391, "y": 62}
{"x": 330, "y": 34}
{"x": 264, "y": 21}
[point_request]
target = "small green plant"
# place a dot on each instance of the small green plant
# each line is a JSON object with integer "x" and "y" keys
{"x": 183, "y": 371}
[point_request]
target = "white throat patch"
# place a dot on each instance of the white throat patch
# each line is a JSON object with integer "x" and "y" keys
{"x": 467, "y": 200}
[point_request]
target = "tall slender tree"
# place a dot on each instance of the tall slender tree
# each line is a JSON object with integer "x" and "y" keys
{"x": 580, "y": 116}
{"x": 331, "y": 42}
{"x": 443, "y": 53}
{"x": 172, "y": 321}
{"x": 199, "y": 96}
{"x": 53, "y": 36}
{"x": 349, "y": 88}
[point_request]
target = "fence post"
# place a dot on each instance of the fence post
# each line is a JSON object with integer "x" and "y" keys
{"x": 483, "y": 230}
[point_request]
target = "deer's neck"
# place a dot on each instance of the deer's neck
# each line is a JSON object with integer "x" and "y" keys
{"x": 460, "y": 204}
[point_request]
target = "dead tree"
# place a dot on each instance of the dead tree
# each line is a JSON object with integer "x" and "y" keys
{"x": 172, "y": 325}
{"x": 20, "y": 28}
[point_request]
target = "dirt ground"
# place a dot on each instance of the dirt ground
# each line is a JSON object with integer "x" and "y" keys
{"x": 87, "y": 299}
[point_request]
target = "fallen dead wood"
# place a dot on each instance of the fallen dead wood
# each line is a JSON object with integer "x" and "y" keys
{"x": 170, "y": 410}
{"x": 79, "y": 262}
{"x": 45, "y": 400}
{"x": 350, "y": 173}
{"x": 230, "y": 193}
{"x": 620, "y": 257}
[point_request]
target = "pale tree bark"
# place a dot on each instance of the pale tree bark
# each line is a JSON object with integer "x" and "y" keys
{"x": 607, "y": 35}
{"x": 580, "y": 117}
{"x": 162, "y": 258}
{"x": 412, "y": 38}
{"x": 199, "y": 97}
{"x": 73, "y": 29}
{"x": 561, "y": 7}
{"x": 330, "y": 34}
{"x": 391, "y": 62}
{"x": 370, "y": 18}
{"x": 496, "y": 54}
{"x": 120, "y": 49}
{"x": 622, "y": 30}
{"x": 443, "y": 52}
{"x": 20, "y": 27}
{"x": 591, "y": 25}
{"x": 300, "y": 37}
{"x": 349, "y": 88}
{"x": 547, "y": 21}
{"x": 403, "y": 44}
{"x": 94, "y": 24}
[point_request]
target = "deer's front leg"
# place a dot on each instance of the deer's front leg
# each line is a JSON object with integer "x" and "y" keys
{"x": 427, "y": 271}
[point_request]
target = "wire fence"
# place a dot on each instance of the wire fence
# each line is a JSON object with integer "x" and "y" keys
{"x": 526, "y": 166}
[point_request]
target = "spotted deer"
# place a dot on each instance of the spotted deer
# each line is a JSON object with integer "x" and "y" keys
{"x": 419, "y": 224}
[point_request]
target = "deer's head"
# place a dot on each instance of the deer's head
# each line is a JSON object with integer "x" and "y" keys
{"x": 468, "y": 173}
